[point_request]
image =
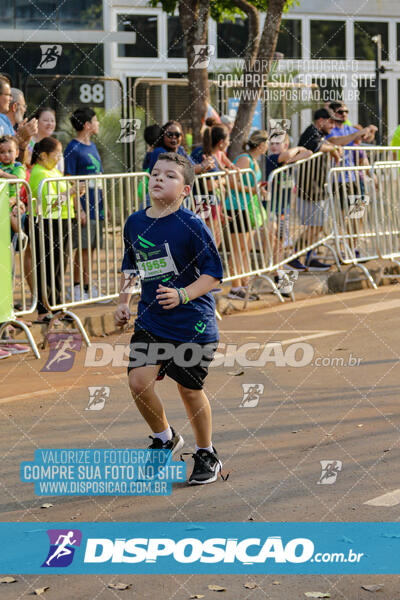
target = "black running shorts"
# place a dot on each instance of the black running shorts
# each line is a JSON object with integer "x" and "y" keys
{"x": 185, "y": 362}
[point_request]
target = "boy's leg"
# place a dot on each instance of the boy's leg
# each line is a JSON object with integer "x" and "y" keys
{"x": 199, "y": 413}
{"x": 141, "y": 383}
{"x": 206, "y": 462}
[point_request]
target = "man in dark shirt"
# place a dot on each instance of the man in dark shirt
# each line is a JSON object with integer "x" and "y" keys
{"x": 313, "y": 138}
{"x": 311, "y": 194}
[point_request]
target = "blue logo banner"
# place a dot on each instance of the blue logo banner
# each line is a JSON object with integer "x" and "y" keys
{"x": 207, "y": 548}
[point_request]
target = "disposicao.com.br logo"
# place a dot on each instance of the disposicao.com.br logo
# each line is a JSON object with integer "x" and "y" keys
{"x": 188, "y": 550}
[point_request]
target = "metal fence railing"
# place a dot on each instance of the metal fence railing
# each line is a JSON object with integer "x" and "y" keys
{"x": 81, "y": 242}
{"x": 70, "y": 248}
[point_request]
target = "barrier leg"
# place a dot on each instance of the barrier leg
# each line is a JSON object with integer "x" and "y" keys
{"x": 366, "y": 273}
{"x": 275, "y": 288}
{"x": 76, "y": 320}
{"x": 29, "y": 336}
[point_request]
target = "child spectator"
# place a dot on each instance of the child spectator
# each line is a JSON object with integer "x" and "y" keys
{"x": 81, "y": 157}
{"x": 179, "y": 265}
{"x": 151, "y": 135}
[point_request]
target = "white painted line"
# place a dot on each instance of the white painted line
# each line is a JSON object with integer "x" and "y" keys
{"x": 389, "y": 499}
{"x": 293, "y": 330}
{"x": 242, "y": 351}
{"x": 366, "y": 309}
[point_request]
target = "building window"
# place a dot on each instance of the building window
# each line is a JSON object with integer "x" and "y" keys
{"x": 176, "y": 40}
{"x": 21, "y": 61}
{"x": 81, "y": 14}
{"x": 328, "y": 39}
{"x": 145, "y": 27}
{"x": 52, "y": 14}
{"x": 232, "y": 38}
{"x": 364, "y": 47}
{"x": 398, "y": 42}
{"x": 7, "y": 14}
{"x": 289, "y": 40}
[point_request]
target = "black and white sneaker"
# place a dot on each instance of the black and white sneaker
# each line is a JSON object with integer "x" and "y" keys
{"x": 206, "y": 467}
{"x": 175, "y": 444}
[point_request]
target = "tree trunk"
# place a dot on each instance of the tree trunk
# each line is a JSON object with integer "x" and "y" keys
{"x": 255, "y": 74}
{"x": 194, "y": 15}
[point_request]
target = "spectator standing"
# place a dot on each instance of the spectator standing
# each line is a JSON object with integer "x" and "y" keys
{"x": 46, "y": 122}
{"x": 151, "y": 135}
{"x": 21, "y": 127}
{"x": 254, "y": 147}
{"x": 53, "y": 202}
{"x": 81, "y": 157}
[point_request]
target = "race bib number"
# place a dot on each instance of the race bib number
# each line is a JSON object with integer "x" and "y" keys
{"x": 156, "y": 263}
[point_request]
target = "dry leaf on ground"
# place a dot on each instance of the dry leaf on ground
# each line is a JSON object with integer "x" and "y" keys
{"x": 251, "y": 586}
{"x": 7, "y": 580}
{"x": 375, "y": 587}
{"x": 317, "y": 594}
{"x": 216, "y": 588}
{"x": 119, "y": 586}
{"x": 46, "y": 505}
{"x": 40, "y": 591}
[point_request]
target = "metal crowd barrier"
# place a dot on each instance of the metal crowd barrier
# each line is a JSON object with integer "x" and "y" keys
{"x": 360, "y": 155}
{"x": 364, "y": 203}
{"x": 23, "y": 256}
{"x": 63, "y": 237}
{"x": 233, "y": 209}
{"x": 387, "y": 206}
{"x": 257, "y": 232}
{"x": 268, "y": 229}
{"x": 298, "y": 206}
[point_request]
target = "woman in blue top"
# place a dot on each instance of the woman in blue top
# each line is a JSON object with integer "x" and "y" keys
{"x": 256, "y": 146}
{"x": 170, "y": 140}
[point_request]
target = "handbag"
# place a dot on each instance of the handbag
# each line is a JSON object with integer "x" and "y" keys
{"x": 257, "y": 213}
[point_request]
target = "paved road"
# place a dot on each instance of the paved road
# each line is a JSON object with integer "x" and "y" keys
{"x": 322, "y": 410}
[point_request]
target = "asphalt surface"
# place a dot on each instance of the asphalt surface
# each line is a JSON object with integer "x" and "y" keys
{"x": 306, "y": 413}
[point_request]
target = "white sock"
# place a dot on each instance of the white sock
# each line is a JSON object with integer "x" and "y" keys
{"x": 165, "y": 435}
{"x": 236, "y": 289}
{"x": 209, "y": 448}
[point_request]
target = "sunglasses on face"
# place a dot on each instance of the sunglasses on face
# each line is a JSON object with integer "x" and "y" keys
{"x": 342, "y": 112}
{"x": 172, "y": 134}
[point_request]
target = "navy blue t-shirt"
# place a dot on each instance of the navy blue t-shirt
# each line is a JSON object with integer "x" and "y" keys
{"x": 173, "y": 250}
{"x": 81, "y": 159}
{"x": 282, "y": 185}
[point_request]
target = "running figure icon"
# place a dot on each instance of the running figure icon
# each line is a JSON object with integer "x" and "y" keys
{"x": 62, "y": 549}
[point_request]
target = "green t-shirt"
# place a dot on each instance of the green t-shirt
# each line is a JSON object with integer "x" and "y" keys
{"x": 396, "y": 140}
{"x": 48, "y": 193}
{"x": 16, "y": 169}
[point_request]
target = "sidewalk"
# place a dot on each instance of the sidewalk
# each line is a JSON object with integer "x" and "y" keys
{"x": 98, "y": 319}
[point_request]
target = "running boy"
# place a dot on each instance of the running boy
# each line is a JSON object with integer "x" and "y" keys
{"x": 175, "y": 255}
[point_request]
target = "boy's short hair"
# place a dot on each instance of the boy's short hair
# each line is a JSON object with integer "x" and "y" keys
{"x": 80, "y": 116}
{"x": 182, "y": 161}
{"x": 9, "y": 138}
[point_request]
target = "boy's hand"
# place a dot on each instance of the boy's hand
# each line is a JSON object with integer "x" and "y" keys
{"x": 122, "y": 314}
{"x": 167, "y": 296}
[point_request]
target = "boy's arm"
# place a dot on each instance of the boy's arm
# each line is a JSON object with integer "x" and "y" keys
{"x": 127, "y": 284}
{"x": 170, "y": 297}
